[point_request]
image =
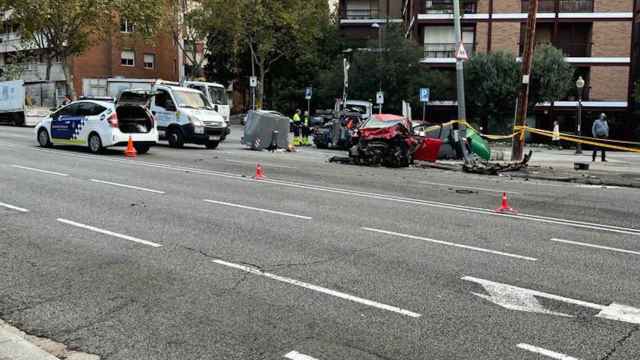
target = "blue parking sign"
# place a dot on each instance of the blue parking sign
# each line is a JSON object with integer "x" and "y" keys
{"x": 308, "y": 92}
{"x": 424, "y": 95}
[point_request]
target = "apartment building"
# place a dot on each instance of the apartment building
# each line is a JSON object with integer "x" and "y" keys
{"x": 357, "y": 17}
{"x": 122, "y": 54}
{"x": 596, "y": 36}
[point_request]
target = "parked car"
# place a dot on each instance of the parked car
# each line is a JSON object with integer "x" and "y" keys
{"x": 100, "y": 124}
{"x": 186, "y": 116}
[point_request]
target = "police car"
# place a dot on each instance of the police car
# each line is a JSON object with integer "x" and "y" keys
{"x": 100, "y": 123}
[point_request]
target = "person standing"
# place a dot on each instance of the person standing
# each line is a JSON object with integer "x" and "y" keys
{"x": 600, "y": 130}
{"x": 306, "y": 131}
{"x": 297, "y": 128}
{"x": 556, "y": 134}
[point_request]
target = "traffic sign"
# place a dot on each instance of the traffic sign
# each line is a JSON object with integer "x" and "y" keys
{"x": 253, "y": 81}
{"x": 380, "y": 98}
{"x": 308, "y": 92}
{"x": 461, "y": 54}
{"x": 424, "y": 95}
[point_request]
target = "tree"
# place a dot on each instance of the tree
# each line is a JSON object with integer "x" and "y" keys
{"x": 492, "y": 82}
{"x": 552, "y": 75}
{"x": 67, "y": 28}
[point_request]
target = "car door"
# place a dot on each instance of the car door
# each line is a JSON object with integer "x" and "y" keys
{"x": 164, "y": 109}
{"x": 64, "y": 125}
{"x": 93, "y": 118}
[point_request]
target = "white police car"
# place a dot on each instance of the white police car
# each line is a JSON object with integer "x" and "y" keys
{"x": 101, "y": 123}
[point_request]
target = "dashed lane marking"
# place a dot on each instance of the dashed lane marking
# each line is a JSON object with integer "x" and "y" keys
{"x": 19, "y": 209}
{"x": 545, "y": 352}
{"x": 319, "y": 289}
{"x": 258, "y": 209}
{"x": 294, "y": 355}
{"x": 596, "y": 246}
{"x": 110, "y": 233}
{"x": 447, "y": 243}
{"x": 39, "y": 170}
{"x": 127, "y": 186}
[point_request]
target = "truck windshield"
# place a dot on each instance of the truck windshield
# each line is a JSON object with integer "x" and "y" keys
{"x": 218, "y": 95}
{"x": 194, "y": 100}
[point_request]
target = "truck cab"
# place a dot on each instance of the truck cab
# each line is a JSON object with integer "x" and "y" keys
{"x": 185, "y": 115}
{"x": 216, "y": 94}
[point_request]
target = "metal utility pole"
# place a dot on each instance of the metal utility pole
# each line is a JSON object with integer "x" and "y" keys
{"x": 462, "y": 111}
{"x": 527, "y": 60}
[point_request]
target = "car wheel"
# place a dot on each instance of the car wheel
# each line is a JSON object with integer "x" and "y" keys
{"x": 95, "y": 144}
{"x": 212, "y": 144}
{"x": 43, "y": 138}
{"x": 142, "y": 148}
{"x": 176, "y": 140}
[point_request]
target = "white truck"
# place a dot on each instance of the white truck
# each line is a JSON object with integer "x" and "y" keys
{"x": 216, "y": 94}
{"x": 16, "y": 107}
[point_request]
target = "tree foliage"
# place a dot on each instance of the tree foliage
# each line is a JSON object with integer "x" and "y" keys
{"x": 552, "y": 75}
{"x": 67, "y": 28}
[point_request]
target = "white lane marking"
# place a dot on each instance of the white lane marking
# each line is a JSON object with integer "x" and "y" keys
{"x": 596, "y": 246}
{"x": 320, "y": 289}
{"x": 447, "y": 243}
{"x": 516, "y": 298}
{"x": 13, "y": 207}
{"x": 127, "y": 186}
{"x": 294, "y": 355}
{"x": 545, "y": 352}
{"x": 587, "y": 186}
{"x": 39, "y": 170}
{"x": 468, "y": 187}
{"x": 257, "y": 209}
{"x": 440, "y": 205}
{"x": 110, "y": 233}
{"x": 258, "y": 162}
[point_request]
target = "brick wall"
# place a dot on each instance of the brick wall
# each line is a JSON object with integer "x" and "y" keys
{"x": 609, "y": 83}
{"x": 613, "y": 5}
{"x": 483, "y": 6}
{"x": 507, "y": 6}
{"x": 482, "y": 30}
{"x": 611, "y": 38}
{"x": 505, "y": 37}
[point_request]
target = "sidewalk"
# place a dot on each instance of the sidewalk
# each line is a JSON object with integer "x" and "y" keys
{"x": 621, "y": 168}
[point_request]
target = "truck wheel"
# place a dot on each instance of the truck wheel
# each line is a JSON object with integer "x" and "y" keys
{"x": 43, "y": 138}
{"x": 95, "y": 144}
{"x": 18, "y": 120}
{"x": 142, "y": 148}
{"x": 176, "y": 140}
{"x": 212, "y": 144}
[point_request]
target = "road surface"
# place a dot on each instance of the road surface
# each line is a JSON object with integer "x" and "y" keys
{"x": 180, "y": 254}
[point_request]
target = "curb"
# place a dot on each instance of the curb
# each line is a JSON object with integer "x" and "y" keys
{"x": 13, "y": 346}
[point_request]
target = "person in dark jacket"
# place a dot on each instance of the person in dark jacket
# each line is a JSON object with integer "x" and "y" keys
{"x": 600, "y": 130}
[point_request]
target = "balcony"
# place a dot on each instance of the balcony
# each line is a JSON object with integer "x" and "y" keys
{"x": 446, "y": 7}
{"x": 443, "y": 51}
{"x": 576, "y": 49}
{"x": 564, "y": 6}
{"x": 360, "y": 14}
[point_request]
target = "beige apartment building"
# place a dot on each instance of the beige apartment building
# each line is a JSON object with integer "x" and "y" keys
{"x": 598, "y": 37}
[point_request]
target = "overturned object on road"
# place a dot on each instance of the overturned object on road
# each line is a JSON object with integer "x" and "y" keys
{"x": 385, "y": 140}
{"x": 266, "y": 130}
{"x": 450, "y": 149}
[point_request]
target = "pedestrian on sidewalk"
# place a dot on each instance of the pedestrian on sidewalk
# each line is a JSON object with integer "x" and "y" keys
{"x": 600, "y": 130}
{"x": 556, "y": 134}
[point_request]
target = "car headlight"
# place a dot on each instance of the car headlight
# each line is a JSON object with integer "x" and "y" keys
{"x": 196, "y": 122}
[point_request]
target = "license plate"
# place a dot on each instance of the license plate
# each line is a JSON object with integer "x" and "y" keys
{"x": 214, "y": 137}
{"x": 199, "y": 130}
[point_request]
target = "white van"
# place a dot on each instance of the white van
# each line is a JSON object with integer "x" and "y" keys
{"x": 185, "y": 115}
{"x": 216, "y": 94}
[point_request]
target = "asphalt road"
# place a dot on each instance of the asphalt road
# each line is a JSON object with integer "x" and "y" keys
{"x": 180, "y": 254}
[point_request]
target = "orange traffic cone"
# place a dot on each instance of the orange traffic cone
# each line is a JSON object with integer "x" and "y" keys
{"x": 131, "y": 151}
{"x": 504, "y": 207}
{"x": 259, "y": 173}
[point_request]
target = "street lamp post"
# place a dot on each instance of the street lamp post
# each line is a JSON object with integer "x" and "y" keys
{"x": 580, "y": 87}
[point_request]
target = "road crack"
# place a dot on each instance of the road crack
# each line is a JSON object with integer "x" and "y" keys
{"x": 620, "y": 343}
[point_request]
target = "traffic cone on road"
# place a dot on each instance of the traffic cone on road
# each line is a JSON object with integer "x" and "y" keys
{"x": 259, "y": 173}
{"x": 504, "y": 207}
{"x": 131, "y": 150}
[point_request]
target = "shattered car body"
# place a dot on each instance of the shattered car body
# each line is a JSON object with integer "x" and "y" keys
{"x": 385, "y": 140}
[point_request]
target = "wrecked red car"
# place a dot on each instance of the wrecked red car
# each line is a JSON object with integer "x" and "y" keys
{"x": 386, "y": 140}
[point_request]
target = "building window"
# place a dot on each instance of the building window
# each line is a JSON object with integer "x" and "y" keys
{"x": 128, "y": 58}
{"x": 149, "y": 61}
{"x": 439, "y": 41}
{"x": 126, "y": 26}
